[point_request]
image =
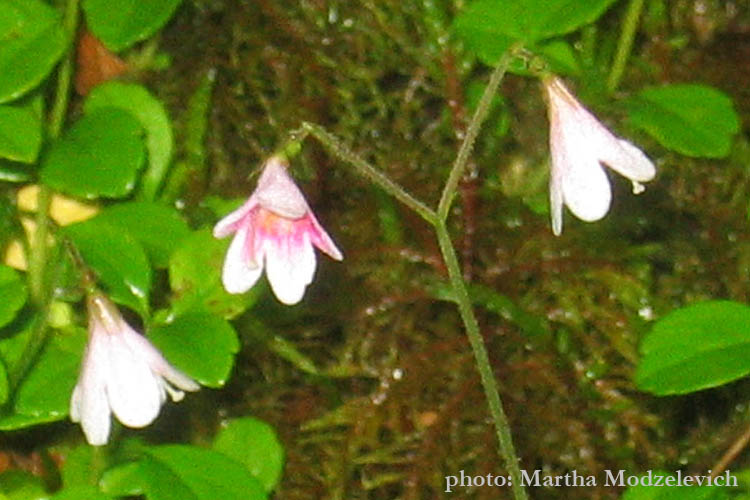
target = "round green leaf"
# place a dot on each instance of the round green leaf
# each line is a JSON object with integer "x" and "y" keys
{"x": 181, "y": 472}
{"x": 159, "y": 228}
{"x": 118, "y": 260}
{"x": 195, "y": 278}
{"x": 121, "y": 23}
{"x": 201, "y": 344}
{"x": 153, "y": 117}
{"x": 46, "y": 389}
{"x": 20, "y": 132}
{"x": 694, "y": 120}
{"x": 254, "y": 443}
{"x": 12, "y": 294}
{"x": 696, "y": 347}
{"x": 31, "y": 42}
{"x": 489, "y": 27}
{"x": 100, "y": 155}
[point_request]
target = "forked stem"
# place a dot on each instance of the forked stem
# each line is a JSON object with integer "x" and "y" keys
{"x": 438, "y": 220}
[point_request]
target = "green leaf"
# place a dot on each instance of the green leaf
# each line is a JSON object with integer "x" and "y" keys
{"x": 82, "y": 492}
{"x": 180, "y": 472}
{"x": 254, "y": 443}
{"x": 12, "y": 294}
{"x": 696, "y": 347}
{"x": 489, "y": 27}
{"x": 31, "y": 42}
{"x": 21, "y": 131}
{"x": 159, "y": 228}
{"x": 121, "y": 23}
{"x": 21, "y": 485}
{"x": 118, "y": 260}
{"x": 150, "y": 112}
{"x": 694, "y": 120}
{"x": 78, "y": 469}
{"x": 100, "y": 155}
{"x": 195, "y": 278}
{"x": 44, "y": 394}
{"x": 201, "y": 344}
{"x": 124, "y": 480}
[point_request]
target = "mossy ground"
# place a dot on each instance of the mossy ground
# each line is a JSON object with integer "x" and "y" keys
{"x": 400, "y": 404}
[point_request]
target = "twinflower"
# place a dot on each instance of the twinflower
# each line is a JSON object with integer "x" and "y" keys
{"x": 122, "y": 373}
{"x": 276, "y": 230}
{"x": 580, "y": 144}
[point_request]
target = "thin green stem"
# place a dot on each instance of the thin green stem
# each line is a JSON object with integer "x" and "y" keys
{"x": 481, "y": 359}
{"x": 625, "y": 44}
{"x": 39, "y": 288}
{"x": 333, "y": 144}
{"x": 457, "y": 171}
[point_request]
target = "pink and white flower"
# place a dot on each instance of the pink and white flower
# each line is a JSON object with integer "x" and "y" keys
{"x": 580, "y": 144}
{"x": 122, "y": 373}
{"x": 276, "y": 230}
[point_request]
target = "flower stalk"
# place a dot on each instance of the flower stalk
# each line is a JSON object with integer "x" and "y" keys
{"x": 437, "y": 219}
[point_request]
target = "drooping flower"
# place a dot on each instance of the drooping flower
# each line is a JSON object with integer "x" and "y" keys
{"x": 122, "y": 373}
{"x": 579, "y": 145}
{"x": 276, "y": 230}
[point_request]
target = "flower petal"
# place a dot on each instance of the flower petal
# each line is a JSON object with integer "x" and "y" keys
{"x": 320, "y": 239}
{"x": 586, "y": 189}
{"x": 556, "y": 201}
{"x": 159, "y": 366}
{"x": 290, "y": 265}
{"x": 134, "y": 391}
{"x": 278, "y": 193}
{"x": 239, "y": 275}
{"x": 629, "y": 161}
{"x": 231, "y": 222}
{"x": 88, "y": 403}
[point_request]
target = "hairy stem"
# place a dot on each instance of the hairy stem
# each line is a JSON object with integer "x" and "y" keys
{"x": 457, "y": 171}
{"x": 333, "y": 144}
{"x": 625, "y": 44}
{"x": 461, "y": 296}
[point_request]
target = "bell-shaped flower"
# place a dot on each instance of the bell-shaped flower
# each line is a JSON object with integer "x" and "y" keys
{"x": 122, "y": 373}
{"x": 276, "y": 230}
{"x": 579, "y": 145}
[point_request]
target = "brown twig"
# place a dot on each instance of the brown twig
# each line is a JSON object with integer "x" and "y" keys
{"x": 731, "y": 454}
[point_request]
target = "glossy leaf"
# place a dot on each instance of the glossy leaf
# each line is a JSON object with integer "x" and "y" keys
{"x": 121, "y": 23}
{"x": 118, "y": 260}
{"x": 152, "y": 116}
{"x": 694, "y": 120}
{"x": 100, "y": 155}
{"x": 180, "y": 472}
{"x": 253, "y": 443}
{"x": 31, "y": 42}
{"x": 12, "y": 294}
{"x": 44, "y": 394}
{"x": 159, "y": 228}
{"x": 195, "y": 278}
{"x": 696, "y": 347}
{"x": 489, "y": 27}
{"x": 20, "y": 131}
{"x": 201, "y": 344}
